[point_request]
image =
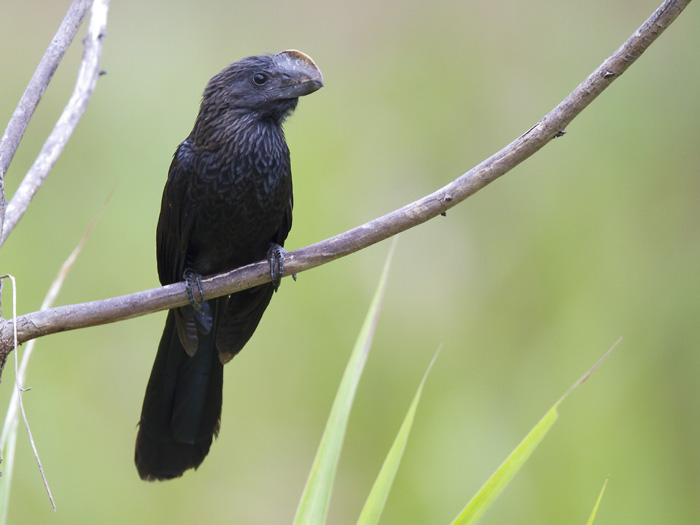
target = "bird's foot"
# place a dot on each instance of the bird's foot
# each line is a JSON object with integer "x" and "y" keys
{"x": 276, "y": 254}
{"x": 193, "y": 279}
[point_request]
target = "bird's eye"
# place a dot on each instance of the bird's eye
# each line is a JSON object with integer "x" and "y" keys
{"x": 260, "y": 78}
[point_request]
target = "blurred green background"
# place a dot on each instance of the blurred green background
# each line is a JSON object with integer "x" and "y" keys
{"x": 525, "y": 285}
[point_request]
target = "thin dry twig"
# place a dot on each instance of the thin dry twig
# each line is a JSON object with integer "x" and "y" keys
{"x": 67, "y": 122}
{"x": 9, "y": 433}
{"x": 40, "y": 80}
{"x": 551, "y": 126}
{"x": 18, "y": 393}
{"x": 35, "y": 90}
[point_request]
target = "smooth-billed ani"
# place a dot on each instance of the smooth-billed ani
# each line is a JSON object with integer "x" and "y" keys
{"x": 227, "y": 202}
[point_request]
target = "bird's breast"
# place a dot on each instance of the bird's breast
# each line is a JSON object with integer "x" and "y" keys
{"x": 247, "y": 197}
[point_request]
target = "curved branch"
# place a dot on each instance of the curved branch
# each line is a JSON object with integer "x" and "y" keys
{"x": 70, "y": 317}
{"x": 67, "y": 122}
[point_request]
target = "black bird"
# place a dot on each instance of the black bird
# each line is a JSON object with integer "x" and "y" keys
{"x": 227, "y": 203}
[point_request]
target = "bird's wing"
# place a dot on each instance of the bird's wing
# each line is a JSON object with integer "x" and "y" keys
{"x": 176, "y": 218}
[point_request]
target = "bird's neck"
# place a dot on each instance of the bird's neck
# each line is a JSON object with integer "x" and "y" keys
{"x": 233, "y": 127}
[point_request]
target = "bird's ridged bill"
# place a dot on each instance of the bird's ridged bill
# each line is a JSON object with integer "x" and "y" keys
{"x": 304, "y": 76}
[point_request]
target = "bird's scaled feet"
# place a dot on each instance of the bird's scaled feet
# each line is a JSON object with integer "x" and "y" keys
{"x": 276, "y": 255}
{"x": 192, "y": 280}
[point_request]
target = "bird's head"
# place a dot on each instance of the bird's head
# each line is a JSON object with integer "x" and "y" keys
{"x": 265, "y": 86}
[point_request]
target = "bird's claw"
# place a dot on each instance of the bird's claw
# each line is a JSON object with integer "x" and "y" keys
{"x": 193, "y": 279}
{"x": 276, "y": 254}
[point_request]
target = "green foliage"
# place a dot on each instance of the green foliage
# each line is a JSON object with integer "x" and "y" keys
{"x": 382, "y": 485}
{"x": 313, "y": 507}
{"x": 315, "y": 501}
{"x": 483, "y": 499}
{"x": 597, "y": 503}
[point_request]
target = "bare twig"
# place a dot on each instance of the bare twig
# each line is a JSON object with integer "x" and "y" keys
{"x": 35, "y": 90}
{"x": 551, "y": 126}
{"x": 39, "y": 82}
{"x": 62, "y": 131}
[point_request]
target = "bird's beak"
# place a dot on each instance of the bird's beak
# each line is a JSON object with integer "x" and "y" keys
{"x": 302, "y": 76}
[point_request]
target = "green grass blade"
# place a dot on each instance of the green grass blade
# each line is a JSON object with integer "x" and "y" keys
{"x": 597, "y": 503}
{"x": 315, "y": 500}
{"x": 483, "y": 499}
{"x": 382, "y": 485}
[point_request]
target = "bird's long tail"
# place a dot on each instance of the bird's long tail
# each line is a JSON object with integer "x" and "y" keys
{"x": 182, "y": 407}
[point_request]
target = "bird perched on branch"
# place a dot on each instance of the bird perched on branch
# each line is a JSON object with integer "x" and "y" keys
{"x": 227, "y": 203}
